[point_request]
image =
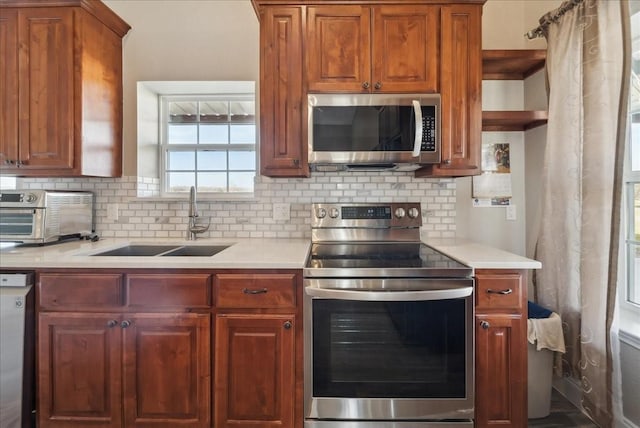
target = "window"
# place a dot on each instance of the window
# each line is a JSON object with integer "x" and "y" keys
{"x": 208, "y": 142}
{"x": 632, "y": 172}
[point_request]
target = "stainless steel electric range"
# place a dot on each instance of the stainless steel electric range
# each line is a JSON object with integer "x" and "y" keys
{"x": 388, "y": 323}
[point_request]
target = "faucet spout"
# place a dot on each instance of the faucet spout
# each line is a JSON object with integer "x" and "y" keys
{"x": 194, "y": 227}
{"x": 193, "y": 207}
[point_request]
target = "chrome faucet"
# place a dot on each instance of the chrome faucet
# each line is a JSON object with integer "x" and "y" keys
{"x": 194, "y": 228}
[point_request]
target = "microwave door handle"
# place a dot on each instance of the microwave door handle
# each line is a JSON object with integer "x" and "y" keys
{"x": 389, "y": 296}
{"x": 417, "y": 144}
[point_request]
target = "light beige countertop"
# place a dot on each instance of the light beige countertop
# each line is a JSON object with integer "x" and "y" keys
{"x": 480, "y": 256}
{"x": 242, "y": 254}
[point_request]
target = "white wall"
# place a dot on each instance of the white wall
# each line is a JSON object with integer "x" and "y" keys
{"x": 183, "y": 40}
{"x": 504, "y": 25}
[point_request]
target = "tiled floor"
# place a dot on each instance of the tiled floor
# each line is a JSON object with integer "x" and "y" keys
{"x": 563, "y": 414}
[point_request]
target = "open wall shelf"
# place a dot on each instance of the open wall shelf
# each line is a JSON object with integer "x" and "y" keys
{"x": 512, "y": 64}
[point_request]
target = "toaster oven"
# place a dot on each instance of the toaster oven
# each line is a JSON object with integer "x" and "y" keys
{"x": 42, "y": 216}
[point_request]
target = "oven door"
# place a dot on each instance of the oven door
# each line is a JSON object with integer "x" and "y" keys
{"x": 390, "y": 355}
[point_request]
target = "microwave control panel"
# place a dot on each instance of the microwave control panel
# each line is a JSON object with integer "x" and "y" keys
{"x": 428, "y": 129}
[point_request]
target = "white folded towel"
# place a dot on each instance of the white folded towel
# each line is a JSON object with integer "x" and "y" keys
{"x": 547, "y": 332}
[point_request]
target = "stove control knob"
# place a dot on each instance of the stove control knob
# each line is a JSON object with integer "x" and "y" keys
{"x": 413, "y": 212}
{"x": 321, "y": 213}
{"x": 333, "y": 213}
{"x": 399, "y": 212}
{"x": 30, "y": 197}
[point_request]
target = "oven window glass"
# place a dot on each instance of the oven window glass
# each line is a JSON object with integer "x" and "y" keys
{"x": 16, "y": 223}
{"x": 389, "y": 349}
{"x": 365, "y": 128}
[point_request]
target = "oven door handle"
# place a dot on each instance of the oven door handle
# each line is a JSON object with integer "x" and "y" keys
{"x": 389, "y": 296}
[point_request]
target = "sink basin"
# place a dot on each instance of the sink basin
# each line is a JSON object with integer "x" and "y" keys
{"x": 137, "y": 251}
{"x": 164, "y": 251}
{"x": 196, "y": 250}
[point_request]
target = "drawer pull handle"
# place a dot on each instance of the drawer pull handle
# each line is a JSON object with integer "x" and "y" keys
{"x": 503, "y": 292}
{"x": 485, "y": 325}
{"x": 260, "y": 291}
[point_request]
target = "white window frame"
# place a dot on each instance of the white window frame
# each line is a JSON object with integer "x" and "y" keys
{"x": 164, "y": 145}
{"x": 631, "y": 178}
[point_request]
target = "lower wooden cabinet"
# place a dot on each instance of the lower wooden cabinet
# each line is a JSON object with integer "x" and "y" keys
{"x": 79, "y": 370}
{"x": 254, "y": 371}
{"x": 501, "y": 349}
{"x": 133, "y": 349}
{"x": 118, "y": 369}
{"x": 501, "y": 371}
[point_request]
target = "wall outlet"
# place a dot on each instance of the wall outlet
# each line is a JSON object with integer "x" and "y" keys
{"x": 282, "y": 211}
{"x": 511, "y": 212}
{"x": 112, "y": 212}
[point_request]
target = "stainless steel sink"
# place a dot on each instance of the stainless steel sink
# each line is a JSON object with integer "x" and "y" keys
{"x": 196, "y": 251}
{"x": 137, "y": 250}
{"x": 164, "y": 251}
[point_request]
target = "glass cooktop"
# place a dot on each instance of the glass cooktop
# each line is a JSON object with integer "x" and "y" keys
{"x": 381, "y": 259}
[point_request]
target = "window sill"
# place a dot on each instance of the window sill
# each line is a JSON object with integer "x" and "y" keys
{"x": 629, "y": 319}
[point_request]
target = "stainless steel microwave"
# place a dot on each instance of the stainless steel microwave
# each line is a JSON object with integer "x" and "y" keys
{"x": 373, "y": 131}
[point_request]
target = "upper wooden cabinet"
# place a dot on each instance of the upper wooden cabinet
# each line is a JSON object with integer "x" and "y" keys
{"x": 282, "y": 149}
{"x": 60, "y": 88}
{"x": 372, "y": 48}
{"x": 461, "y": 89}
{"x": 393, "y": 46}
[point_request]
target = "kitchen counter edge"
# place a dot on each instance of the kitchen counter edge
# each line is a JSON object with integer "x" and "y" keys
{"x": 479, "y": 256}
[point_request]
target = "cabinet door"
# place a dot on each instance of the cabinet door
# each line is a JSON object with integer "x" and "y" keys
{"x": 282, "y": 150}
{"x": 8, "y": 86}
{"x": 461, "y": 85}
{"x": 167, "y": 376}
{"x": 79, "y": 370}
{"x": 405, "y": 48}
{"x": 254, "y": 371}
{"x": 338, "y": 49}
{"x": 501, "y": 371}
{"x": 47, "y": 104}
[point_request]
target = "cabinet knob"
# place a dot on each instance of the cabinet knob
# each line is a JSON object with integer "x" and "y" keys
{"x": 447, "y": 161}
{"x": 8, "y": 162}
{"x": 378, "y": 85}
{"x": 365, "y": 85}
{"x": 485, "y": 324}
{"x": 296, "y": 162}
{"x": 112, "y": 323}
{"x": 125, "y": 323}
{"x": 258, "y": 291}
{"x": 287, "y": 325}
{"x": 19, "y": 163}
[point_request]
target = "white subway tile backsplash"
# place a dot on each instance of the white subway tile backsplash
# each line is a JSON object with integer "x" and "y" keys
{"x": 253, "y": 218}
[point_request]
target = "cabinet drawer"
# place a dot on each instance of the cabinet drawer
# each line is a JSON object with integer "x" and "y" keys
{"x": 80, "y": 290}
{"x": 168, "y": 290}
{"x": 255, "y": 291}
{"x": 499, "y": 291}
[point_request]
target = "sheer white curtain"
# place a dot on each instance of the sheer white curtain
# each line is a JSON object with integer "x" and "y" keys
{"x": 578, "y": 238}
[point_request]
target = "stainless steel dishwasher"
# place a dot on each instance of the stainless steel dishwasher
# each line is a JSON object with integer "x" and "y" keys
{"x": 17, "y": 346}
